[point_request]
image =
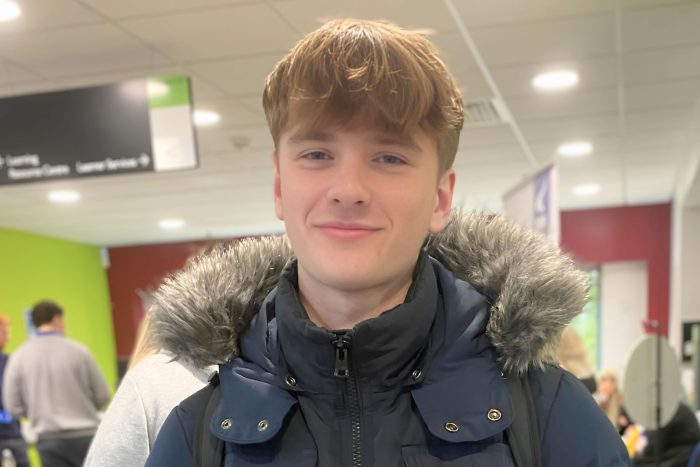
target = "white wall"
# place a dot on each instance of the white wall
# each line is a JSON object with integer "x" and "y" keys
{"x": 623, "y": 309}
{"x": 690, "y": 267}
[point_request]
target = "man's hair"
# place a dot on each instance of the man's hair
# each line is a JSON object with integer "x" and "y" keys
{"x": 44, "y": 311}
{"x": 355, "y": 73}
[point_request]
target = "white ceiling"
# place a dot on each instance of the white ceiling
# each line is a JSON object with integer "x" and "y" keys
{"x": 638, "y": 60}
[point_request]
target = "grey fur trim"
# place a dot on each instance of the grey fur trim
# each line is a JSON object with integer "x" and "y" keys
{"x": 199, "y": 312}
{"x": 534, "y": 290}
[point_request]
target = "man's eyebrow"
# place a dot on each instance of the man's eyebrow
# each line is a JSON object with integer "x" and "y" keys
{"x": 311, "y": 136}
{"x": 402, "y": 141}
{"x": 383, "y": 139}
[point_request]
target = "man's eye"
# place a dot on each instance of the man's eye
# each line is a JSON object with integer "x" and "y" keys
{"x": 391, "y": 159}
{"x": 316, "y": 156}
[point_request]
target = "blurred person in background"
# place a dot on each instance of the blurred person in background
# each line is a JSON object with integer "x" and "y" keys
{"x": 610, "y": 400}
{"x": 153, "y": 385}
{"x": 573, "y": 357}
{"x": 55, "y": 383}
{"x": 678, "y": 438}
{"x": 10, "y": 432}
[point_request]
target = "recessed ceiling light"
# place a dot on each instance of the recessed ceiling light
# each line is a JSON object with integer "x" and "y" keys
{"x": 64, "y": 196}
{"x": 575, "y": 149}
{"x": 157, "y": 88}
{"x": 171, "y": 224}
{"x": 206, "y": 117}
{"x": 555, "y": 80}
{"x": 587, "y": 189}
{"x": 9, "y": 10}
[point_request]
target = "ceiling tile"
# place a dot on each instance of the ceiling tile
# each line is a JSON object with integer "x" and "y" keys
{"x": 132, "y": 8}
{"x": 473, "y": 86}
{"x": 592, "y": 102}
{"x": 663, "y": 95}
{"x": 611, "y": 188}
{"x": 70, "y": 52}
{"x": 674, "y": 118}
{"x": 478, "y": 14}
{"x": 45, "y": 14}
{"x": 454, "y": 52}
{"x": 307, "y": 15}
{"x": 11, "y": 74}
{"x": 221, "y": 140}
{"x": 663, "y": 27}
{"x": 203, "y": 89}
{"x": 570, "y": 128}
{"x": 631, "y": 5}
{"x": 253, "y": 103}
{"x": 242, "y": 76}
{"x": 242, "y": 30}
{"x": 485, "y": 136}
{"x": 662, "y": 65}
{"x": 593, "y": 73}
{"x": 650, "y": 182}
{"x": 233, "y": 114}
{"x": 508, "y": 157}
{"x": 547, "y": 42}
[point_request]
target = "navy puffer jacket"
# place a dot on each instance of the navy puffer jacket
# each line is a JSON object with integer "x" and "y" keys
{"x": 420, "y": 385}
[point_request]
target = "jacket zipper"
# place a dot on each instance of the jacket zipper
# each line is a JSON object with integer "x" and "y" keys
{"x": 341, "y": 343}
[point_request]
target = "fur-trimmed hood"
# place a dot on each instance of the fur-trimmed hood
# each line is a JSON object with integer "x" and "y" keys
{"x": 199, "y": 313}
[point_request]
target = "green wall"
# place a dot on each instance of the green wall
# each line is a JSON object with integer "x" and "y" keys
{"x": 34, "y": 267}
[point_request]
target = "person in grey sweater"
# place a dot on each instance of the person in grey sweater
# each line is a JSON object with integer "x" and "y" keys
{"x": 55, "y": 383}
{"x": 153, "y": 385}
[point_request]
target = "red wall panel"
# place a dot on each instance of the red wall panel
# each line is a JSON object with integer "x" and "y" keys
{"x": 140, "y": 267}
{"x": 635, "y": 233}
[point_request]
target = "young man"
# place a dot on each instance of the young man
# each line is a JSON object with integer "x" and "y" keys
{"x": 57, "y": 385}
{"x": 375, "y": 348}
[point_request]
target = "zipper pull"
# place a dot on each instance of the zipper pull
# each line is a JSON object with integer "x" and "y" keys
{"x": 341, "y": 342}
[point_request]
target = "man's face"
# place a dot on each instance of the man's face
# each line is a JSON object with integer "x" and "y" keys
{"x": 358, "y": 204}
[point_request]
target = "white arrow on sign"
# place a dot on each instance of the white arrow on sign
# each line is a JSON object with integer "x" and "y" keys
{"x": 144, "y": 159}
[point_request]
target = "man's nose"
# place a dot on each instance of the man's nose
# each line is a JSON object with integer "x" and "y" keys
{"x": 350, "y": 183}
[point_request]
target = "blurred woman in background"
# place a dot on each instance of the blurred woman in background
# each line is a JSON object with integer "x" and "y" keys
{"x": 610, "y": 400}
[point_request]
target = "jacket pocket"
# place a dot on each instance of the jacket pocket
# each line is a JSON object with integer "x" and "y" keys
{"x": 258, "y": 457}
{"x": 452, "y": 455}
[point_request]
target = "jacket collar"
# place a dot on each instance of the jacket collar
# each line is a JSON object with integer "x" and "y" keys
{"x": 382, "y": 350}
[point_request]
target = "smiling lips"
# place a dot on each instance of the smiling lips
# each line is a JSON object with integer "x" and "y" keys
{"x": 346, "y": 231}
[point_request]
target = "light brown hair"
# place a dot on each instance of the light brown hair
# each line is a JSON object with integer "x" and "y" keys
{"x": 143, "y": 347}
{"x": 612, "y": 406}
{"x": 572, "y": 354}
{"x": 355, "y": 73}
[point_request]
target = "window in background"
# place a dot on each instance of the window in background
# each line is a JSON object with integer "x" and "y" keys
{"x": 586, "y": 323}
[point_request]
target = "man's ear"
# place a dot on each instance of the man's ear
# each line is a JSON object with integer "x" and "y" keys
{"x": 443, "y": 201}
{"x": 277, "y": 190}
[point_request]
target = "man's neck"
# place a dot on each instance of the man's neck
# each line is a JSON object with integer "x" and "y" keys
{"x": 46, "y": 328}
{"x": 336, "y": 309}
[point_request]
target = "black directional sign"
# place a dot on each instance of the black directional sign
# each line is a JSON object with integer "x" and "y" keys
{"x": 102, "y": 130}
